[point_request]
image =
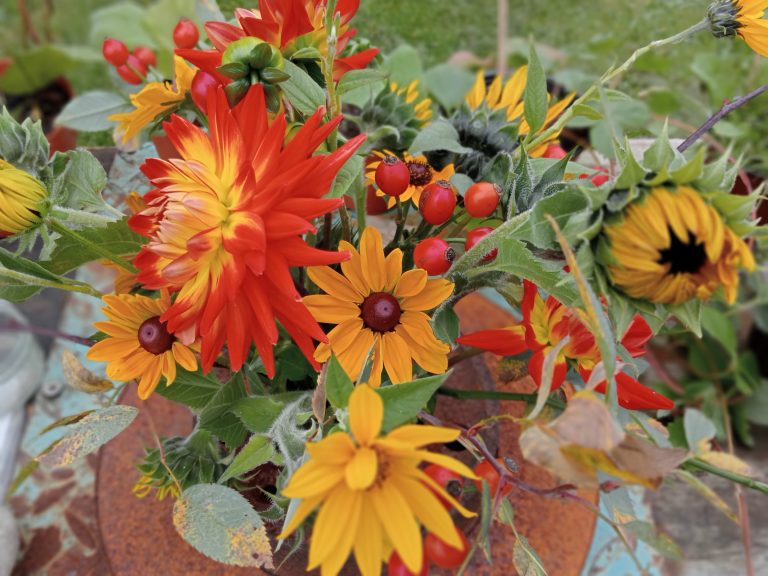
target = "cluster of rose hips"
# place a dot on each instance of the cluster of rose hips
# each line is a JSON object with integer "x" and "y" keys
{"x": 132, "y": 66}
{"x": 436, "y": 551}
{"x": 437, "y": 204}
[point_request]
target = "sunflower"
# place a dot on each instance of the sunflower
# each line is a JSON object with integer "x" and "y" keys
{"x": 372, "y": 496}
{"x": 745, "y": 18}
{"x": 377, "y": 307}
{"x": 422, "y": 106}
{"x": 155, "y": 100}
{"x": 422, "y": 175}
{"x": 509, "y": 98}
{"x": 291, "y": 26}
{"x": 672, "y": 246}
{"x": 225, "y": 225}
{"x": 138, "y": 343}
{"x": 20, "y": 198}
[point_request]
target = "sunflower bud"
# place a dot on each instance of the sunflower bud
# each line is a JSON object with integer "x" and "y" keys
{"x": 722, "y": 18}
{"x": 20, "y": 197}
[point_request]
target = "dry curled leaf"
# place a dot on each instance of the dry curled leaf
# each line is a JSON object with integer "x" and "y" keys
{"x": 80, "y": 378}
{"x": 585, "y": 440}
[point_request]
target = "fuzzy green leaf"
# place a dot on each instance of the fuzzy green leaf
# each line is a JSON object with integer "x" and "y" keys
{"x": 302, "y": 92}
{"x": 338, "y": 385}
{"x": 535, "y": 98}
{"x": 258, "y": 451}
{"x": 403, "y": 402}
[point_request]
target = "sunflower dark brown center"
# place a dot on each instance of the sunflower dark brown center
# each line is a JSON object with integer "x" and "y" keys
{"x": 683, "y": 257}
{"x": 154, "y": 337}
{"x": 380, "y": 312}
{"x": 421, "y": 173}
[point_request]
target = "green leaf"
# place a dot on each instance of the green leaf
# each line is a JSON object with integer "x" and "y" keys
{"x": 355, "y": 79}
{"x": 89, "y": 434}
{"x": 23, "y": 145}
{"x": 698, "y": 428}
{"x": 756, "y": 408}
{"x": 403, "y": 402}
{"x": 525, "y": 558}
{"x": 631, "y": 171}
{"x": 302, "y": 92}
{"x": 660, "y": 154}
{"x": 448, "y": 84}
{"x": 192, "y": 389}
{"x": 346, "y": 176}
{"x": 218, "y": 418}
{"x": 258, "y": 413}
{"x": 689, "y": 314}
{"x": 515, "y": 258}
{"x": 220, "y": 523}
{"x": 258, "y": 451}
{"x": 338, "y": 385}
{"x": 691, "y": 170}
{"x": 660, "y": 542}
{"x": 584, "y": 111}
{"x": 37, "y": 67}
{"x": 20, "y": 277}
{"x": 123, "y": 20}
{"x": 116, "y": 237}
{"x": 721, "y": 328}
{"x": 439, "y": 135}
{"x": 88, "y": 112}
{"x": 404, "y": 65}
{"x": 535, "y": 98}
{"x": 79, "y": 180}
{"x": 445, "y": 324}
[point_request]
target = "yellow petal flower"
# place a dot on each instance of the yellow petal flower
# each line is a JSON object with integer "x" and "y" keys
{"x": 366, "y": 412}
{"x": 20, "y": 198}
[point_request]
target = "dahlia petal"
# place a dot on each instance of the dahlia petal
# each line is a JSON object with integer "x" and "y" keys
{"x": 503, "y": 341}
{"x": 536, "y": 368}
{"x": 222, "y": 34}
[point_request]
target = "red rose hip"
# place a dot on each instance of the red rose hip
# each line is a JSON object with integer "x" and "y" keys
{"x": 554, "y": 151}
{"x": 434, "y": 255}
{"x": 474, "y": 236}
{"x": 132, "y": 71}
{"x": 114, "y": 51}
{"x": 396, "y": 567}
{"x": 202, "y": 84}
{"x": 186, "y": 34}
{"x": 145, "y": 56}
{"x": 443, "y": 555}
{"x": 437, "y": 202}
{"x": 481, "y": 199}
{"x": 392, "y": 176}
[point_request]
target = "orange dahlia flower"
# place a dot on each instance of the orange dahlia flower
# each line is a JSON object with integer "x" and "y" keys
{"x": 290, "y": 25}
{"x": 225, "y": 225}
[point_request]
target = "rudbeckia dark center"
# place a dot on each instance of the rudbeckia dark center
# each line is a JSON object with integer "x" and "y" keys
{"x": 154, "y": 337}
{"x": 380, "y": 312}
{"x": 421, "y": 173}
{"x": 683, "y": 257}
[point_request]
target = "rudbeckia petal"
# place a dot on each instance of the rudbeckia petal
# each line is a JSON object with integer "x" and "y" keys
{"x": 366, "y": 413}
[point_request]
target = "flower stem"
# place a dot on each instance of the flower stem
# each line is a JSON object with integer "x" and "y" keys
{"x": 558, "y": 125}
{"x": 498, "y": 395}
{"x": 14, "y": 326}
{"x": 727, "y": 108}
{"x": 92, "y": 246}
{"x": 29, "y": 280}
{"x": 704, "y": 466}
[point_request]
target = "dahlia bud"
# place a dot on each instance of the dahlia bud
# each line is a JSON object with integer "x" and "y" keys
{"x": 20, "y": 198}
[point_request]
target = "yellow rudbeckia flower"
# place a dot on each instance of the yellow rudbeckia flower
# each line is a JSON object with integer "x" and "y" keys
{"x": 371, "y": 494}
{"x": 376, "y": 307}
{"x": 673, "y": 246}
{"x": 745, "y": 18}
{"x": 509, "y": 97}
{"x": 422, "y": 106}
{"x": 154, "y": 100}
{"x": 138, "y": 345}
{"x": 20, "y": 197}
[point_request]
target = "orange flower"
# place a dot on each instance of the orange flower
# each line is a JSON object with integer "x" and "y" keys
{"x": 290, "y": 25}
{"x": 225, "y": 226}
{"x": 546, "y": 323}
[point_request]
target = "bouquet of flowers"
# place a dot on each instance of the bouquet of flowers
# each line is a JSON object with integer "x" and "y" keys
{"x": 291, "y": 278}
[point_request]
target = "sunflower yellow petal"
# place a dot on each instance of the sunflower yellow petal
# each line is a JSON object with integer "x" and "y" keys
{"x": 366, "y": 413}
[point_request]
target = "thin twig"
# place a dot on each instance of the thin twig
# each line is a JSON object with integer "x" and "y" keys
{"x": 727, "y": 108}
{"x": 14, "y": 326}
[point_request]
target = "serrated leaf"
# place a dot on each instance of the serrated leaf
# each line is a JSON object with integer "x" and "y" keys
{"x": 689, "y": 313}
{"x": 23, "y": 145}
{"x": 661, "y": 153}
{"x": 80, "y": 378}
{"x": 338, "y": 386}
{"x": 192, "y": 389}
{"x": 439, "y": 135}
{"x": 535, "y": 97}
{"x": 631, "y": 171}
{"x": 88, "y": 112}
{"x": 691, "y": 170}
{"x": 403, "y": 402}
{"x": 79, "y": 181}
{"x": 220, "y": 523}
{"x": 302, "y": 92}
{"x": 256, "y": 452}
{"x": 89, "y": 434}
{"x": 218, "y": 417}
